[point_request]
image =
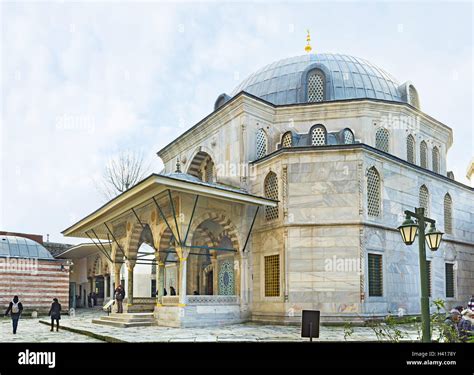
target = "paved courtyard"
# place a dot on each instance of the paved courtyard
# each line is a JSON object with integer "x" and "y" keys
{"x": 32, "y": 330}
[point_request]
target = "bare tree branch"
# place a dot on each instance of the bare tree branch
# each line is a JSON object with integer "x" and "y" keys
{"x": 121, "y": 173}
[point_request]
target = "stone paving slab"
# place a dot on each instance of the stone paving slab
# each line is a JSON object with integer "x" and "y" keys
{"x": 31, "y": 330}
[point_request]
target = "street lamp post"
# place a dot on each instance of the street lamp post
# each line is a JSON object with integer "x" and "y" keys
{"x": 408, "y": 230}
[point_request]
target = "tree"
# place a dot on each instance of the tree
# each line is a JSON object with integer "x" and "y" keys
{"x": 122, "y": 172}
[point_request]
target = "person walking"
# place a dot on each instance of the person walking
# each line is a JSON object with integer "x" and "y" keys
{"x": 470, "y": 304}
{"x": 15, "y": 309}
{"x": 450, "y": 328}
{"x": 119, "y": 297}
{"x": 465, "y": 325}
{"x": 55, "y": 314}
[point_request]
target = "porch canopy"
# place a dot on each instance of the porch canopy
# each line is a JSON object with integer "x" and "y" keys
{"x": 147, "y": 191}
{"x": 174, "y": 198}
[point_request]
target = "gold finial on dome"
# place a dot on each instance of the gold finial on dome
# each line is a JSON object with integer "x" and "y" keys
{"x": 308, "y": 48}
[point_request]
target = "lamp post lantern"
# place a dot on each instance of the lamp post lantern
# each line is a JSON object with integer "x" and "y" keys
{"x": 408, "y": 231}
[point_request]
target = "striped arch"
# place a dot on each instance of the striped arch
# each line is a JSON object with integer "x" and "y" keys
{"x": 201, "y": 161}
{"x": 96, "y": 265}
{"x": 209, "y": 239}
{"x": 218, "y": 218}
{"x": 225, "y": 234}
{"x": 139, "y": 235}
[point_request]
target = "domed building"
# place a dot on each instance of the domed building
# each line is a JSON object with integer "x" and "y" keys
{"x": 28, "y": 270}
{"x": 288, "y": 196}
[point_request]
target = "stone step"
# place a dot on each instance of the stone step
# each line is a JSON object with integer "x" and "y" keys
{"x": 123, "y": 324}
{"x": 126, "y": 319}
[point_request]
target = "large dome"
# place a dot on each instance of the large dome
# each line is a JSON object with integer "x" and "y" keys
{"x": 346, "y": 77}
{"x": 13, "y": 246}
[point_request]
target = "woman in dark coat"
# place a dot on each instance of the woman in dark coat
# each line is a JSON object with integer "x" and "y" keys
{"x": 55, "y": 313}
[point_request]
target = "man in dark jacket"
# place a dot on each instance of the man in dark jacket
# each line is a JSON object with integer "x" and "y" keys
{"x": 119, "y": 295}
{"x": 15, "y": 309}
{"x": 55, "y": 314}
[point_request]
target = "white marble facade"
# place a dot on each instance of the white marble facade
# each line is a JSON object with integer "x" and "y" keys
{"x": 322, "y": 215}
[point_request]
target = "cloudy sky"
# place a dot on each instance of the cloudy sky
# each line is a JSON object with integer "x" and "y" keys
{"x": 79, "y": 82}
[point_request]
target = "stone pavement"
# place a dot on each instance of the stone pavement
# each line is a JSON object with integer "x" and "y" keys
{"x": 31, "y": 330}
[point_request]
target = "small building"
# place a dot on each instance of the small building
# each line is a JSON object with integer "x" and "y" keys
{"x": 28, "y": 270}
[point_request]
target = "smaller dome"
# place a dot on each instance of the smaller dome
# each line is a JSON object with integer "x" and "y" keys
{"x": 20, "y": 247}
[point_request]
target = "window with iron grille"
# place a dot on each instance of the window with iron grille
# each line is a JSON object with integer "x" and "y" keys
{"x": 261, "y": 143}
{"x": 272, "y": 275}
{"x": 424, "y": 199}
{"x": 382, "y": 139}
{"x": 271, "y": 191}
{"x": 318, "y": 135}
{"x": 435, "y": 159}
{"x": 411, "y": 149}
{"x": 423, "y": 154}
{"x": 413, "y": 97}
{"x": 316, "y": 86}
{"x": 348, "y": 137}
{"x": 375, "y": 275}
{"x": 286, "y": 140}
{"x": 373, "y": 192}
{"x": 448, "y": 214}
{"x": 449, "y": 275}
{"x": 428, "y": 269}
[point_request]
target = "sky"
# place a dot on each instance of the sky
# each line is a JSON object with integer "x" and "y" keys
{"x": 82, "y": 81}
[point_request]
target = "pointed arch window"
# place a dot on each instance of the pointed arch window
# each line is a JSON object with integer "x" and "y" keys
{"x": 348, "y": 137}
{"x": 423, "y": 154}
{"x": 411, "y": 149}
{"x": 271, "y": 192}
{"x": 287, "y": 140}
{"x": 382, "y": 140}
{"x": 318, "y": 135}
{"x": 262, "y": 141}
{"x": 424, "y": 199}
{"x": 435, "y": 157}
{"x": 373, "y": 193}
{"x": 316, "y": 86}
{"x": 448, "y": 214}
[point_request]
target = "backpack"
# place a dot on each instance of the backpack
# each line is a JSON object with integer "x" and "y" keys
{"x": 15, "y": 308}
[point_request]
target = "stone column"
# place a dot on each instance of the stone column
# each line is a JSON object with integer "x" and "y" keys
{"x": 183, "y": 262}
{"x": 117, "y": 267}
{"x": 160, "y": 282}
{"x": 130, "y": 286}
{"x": 93, "y": 284}
{"x": 106, "y": 286}
{"x": 243, "y": 278}
{"x": 215, "y": 276}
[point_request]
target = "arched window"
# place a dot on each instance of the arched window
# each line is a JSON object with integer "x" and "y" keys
{"x": 435, "y": 156}
{"x": 286, "y": 140}
{"x": 382, "y": 140}
{"x": 413, "y": 97}
{"x": 373, "y": 193}
{"x": 411, "y": 149}
{"x": 318, "y": 135}
{"x": 271, "y": 192}
{"x": 261, "y": 143}
{"x": 424, "y": 199}
{"x": 316, "y": 86}
{"x": 448, "y": 214}
{"x": 348, "y": 137}
{"x": 423, "y": 154}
